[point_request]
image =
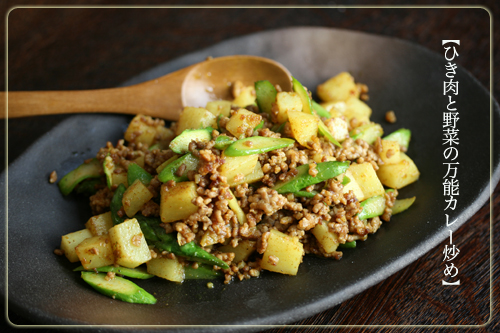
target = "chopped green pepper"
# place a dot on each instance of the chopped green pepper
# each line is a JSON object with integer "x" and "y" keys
{"x": 136, "y": 172}
{"x": 116, "y": 204}
{"x": 325, "y": 171}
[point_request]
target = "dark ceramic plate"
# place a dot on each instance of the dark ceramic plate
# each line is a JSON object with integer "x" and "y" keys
{"x": 402, "y": 77}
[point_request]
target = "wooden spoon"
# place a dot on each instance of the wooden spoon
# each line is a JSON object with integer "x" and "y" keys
{"x": 163, "y": 97}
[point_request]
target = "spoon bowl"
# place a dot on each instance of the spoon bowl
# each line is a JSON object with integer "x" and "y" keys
{"x": 163, "y": 97}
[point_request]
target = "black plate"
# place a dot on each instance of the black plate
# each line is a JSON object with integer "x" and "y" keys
{"x": 402, "y": 77}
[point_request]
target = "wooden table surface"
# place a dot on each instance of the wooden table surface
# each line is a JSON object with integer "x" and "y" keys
{"x": 51, "y": 49}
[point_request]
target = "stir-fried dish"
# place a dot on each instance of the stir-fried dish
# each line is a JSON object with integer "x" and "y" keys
{"x": 237, "y": 188}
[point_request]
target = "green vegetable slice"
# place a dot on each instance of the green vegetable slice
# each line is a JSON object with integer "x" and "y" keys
{"x": 203, "y": 272}
{"x": 136, "y": 273}
{"x": 305, "y": 194}
{"x": 323, "y": 130}
{"x": 156, "y": 235}
{"x": 372, "y": 207}
{"x": 348, "y": 245}
{"x": 222, "y": 141}
{"x": 93, "y": 169}
{"x": 304, "y": 96}
{"x": 402, "y": 205}
{"x": 320, "y": 111}
{"x": 118, "y": 288}
{"x": 88, "y": 186}
{"x": 136, "y": 172}
{"x": 265, "y": 95}
{"x": 256, "y": 145}
{"x": 180, "y": 144}
{"x": 169, "y": 172}
{"x": 116, "y": 204}
{"x": 326, "y": 170}
{"x": 401, "y": 136}
{"x": 260, "y": 125}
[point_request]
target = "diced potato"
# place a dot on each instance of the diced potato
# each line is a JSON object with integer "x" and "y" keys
{"x": 242, "y": 251}
{"x": 164, "y": 136}
{"x": 194, "y": 118}
{"x": 367, "y": 179}
{"x": 328, "y": 240}
{"x": 241, "y": 121}
{"x": 338, "y": 127}
{"x": 95, "y": 252}
{"x": 246, "y": 97}
{"x": 100, "y": 224}
{"x": 139, "y": 161}
{"x": 320, "y": 157}
{"x": 209, "y": 238}
{"x": 135, "y": 197}
{"x": 304, "y": 127}
{"x": 170, "y": 269}
{"x": 355, "y": 108}
{"x": 129, "y": 245}
{"x": 220, "y": 107}
{"x": 287, "y": 101}
{"x": 336, "y": 109}
{"x": 70, "y": 241}
{"x": 338, "y": 88}
{"x": 139, "y": 130}
{"x": 351, "y": 186}
{"x": 256, "y": 175}
{"x": 283, "y": 253}
{"x": 236, "y": 168}
{"x": 176, "y": 202}
{"x": 235, "y": 207}
{"x": 119, "y": 178}
{"x": 142, "y": 129}
{"x": 369, "y": 132}
{"x": 390, "y": 152}
{"x": 400, "y": 174}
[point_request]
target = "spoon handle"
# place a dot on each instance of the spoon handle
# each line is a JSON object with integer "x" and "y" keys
{"x": 157, "y": 98}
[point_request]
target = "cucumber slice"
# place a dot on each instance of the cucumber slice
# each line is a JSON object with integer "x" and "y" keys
{"x": 320, "y": 111}
{"x": 265, "y": 95}
{"x": 180, "y": 144}
{"x": 260, "y": 125}
{"x": 402, "y": 205}
{"x": 368, "y": 132}
{"x": 401, "y": 136}
{"x": 304, "y": 96}
{"x": 93, "y": 169}
{"x": 256, "y": 145}
{"x": 136, "y": 172}
{"x": 118, "y": 288}
{"x": 169, "y": 172}
{"x": 136, "y": 273}
{"x": 305, "y": 194}
{"x": 326, "y": 170}
{"x": 222, "y": 141}
{"x": 323, "y": 130}
{"x": 372, "y": 207}
{"x": 116, "y": 204}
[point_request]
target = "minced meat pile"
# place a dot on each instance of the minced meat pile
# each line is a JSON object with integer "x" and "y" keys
{"x": 264, "y": 208}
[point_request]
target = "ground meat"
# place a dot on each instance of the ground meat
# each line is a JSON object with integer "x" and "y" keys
{"x": 53, "y": 177}
{"x": 390, "y": 117}
{"x": 99, "y": 202}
